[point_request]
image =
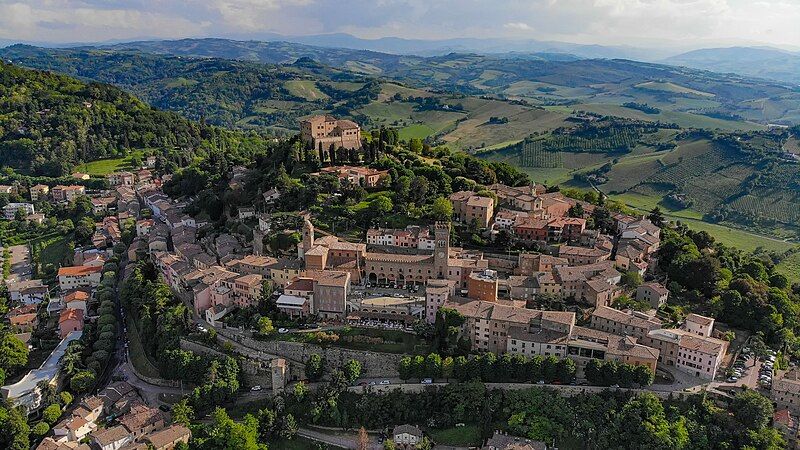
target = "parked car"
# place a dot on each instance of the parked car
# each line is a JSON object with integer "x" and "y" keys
{"x": 427, "y": 381}
{"x": 283, "y": 330}
{"x": 615, "y": 386}
{"x": 384, "y": 382}
{"x": 732, "y": 379}
{"x": 256, "y": 388}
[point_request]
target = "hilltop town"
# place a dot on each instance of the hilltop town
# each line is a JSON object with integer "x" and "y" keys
{"x": 342, "y": 264}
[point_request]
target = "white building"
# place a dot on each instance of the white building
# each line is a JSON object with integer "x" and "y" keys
{"x": 28, "y": 292}
{"x": 26, "y": 392}
{"x": 78, "y": 276}
{"x": 10, "y": 210}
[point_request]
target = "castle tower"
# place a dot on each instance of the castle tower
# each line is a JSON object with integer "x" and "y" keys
{"x": 258, "y": 242}
{"x": 442, "y": 249}
{"x": 278, "y": 369}
{"x": 308, "y": 237}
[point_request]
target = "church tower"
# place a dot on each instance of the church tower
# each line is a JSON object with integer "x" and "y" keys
{"x": 442, "y": 249}
{"x": 308, "y": 237}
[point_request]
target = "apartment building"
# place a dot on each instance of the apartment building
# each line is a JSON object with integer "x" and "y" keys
{"x": 39, "y": 192}
{"x": 121, "y": 179}
{"x": 698, "y": 355}
{"x": 437, "y": 293}
{"x": 653, "y": 293}
{"x": 487, "y": 323}
{"x": 580, "y": 256}
{"x": 628, "y": 323}
{"x": 78, "y": 276}
{"x": 28, "y": 292}
{"x": 67, "y": 193}
{"x": 247, "y": 290}
{"x": 482, "y": 285}
{"x": 469, "y": 207}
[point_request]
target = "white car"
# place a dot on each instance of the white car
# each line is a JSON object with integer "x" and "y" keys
{"x": 386, "y": 382}
{"x": 283, "y": 330}
{"x": 255, "y": 388}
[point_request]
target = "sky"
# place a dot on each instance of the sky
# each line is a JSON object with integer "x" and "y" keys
{"x": 641, "y": 23}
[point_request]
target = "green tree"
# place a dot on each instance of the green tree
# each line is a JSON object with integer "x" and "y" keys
{"x": 433, "y": 366}
{"x": 82, "y": 381}
{"x": 182, "y": 413}
{"x": 14, "y": 429}
{"x": 352, "y": 370}
{"x": 51, "y": 413}
{"x": 442, "y": 209}
{"x": 65, "y": 398}
{"x": 632, "y": 279}
{"x": 314, "y": 367}
{"x": 752, "y": 410}
{"x": 405, "y": 368}
{"x": 300, "y": 391}
{"x": 265, "y": 325}
{"x": 13, "y": 352}
{"x": 40, "y": 429}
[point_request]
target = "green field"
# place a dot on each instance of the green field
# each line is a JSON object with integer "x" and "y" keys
{"x": 139, "y": 358}
{"x": 296, "y": 443}
{"x": 49, "y": 250}
{"x": 726, "y": 235}
{"x": 790, "y": 267}
{"x": 306, "y": 89}
{"x": 417, "y": 130}
{"x": 103, "y": 167}
{"x": 466, "y": 436}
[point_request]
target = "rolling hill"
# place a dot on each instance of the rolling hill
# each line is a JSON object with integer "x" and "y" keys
{"x": 541, "y": 78}
{"x": 762, "y": 62}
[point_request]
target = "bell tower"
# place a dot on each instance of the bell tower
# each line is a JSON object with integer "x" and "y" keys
{"x": 308, "y": 237}
{"x": 441, "y": 251}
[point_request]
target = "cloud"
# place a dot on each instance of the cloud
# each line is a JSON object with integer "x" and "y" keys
{"x": 632, "y": 22}
{"x": 521, "y": 26}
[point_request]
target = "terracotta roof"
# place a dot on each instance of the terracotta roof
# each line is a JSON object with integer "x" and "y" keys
{"x": 108, "y": 436}
{"x": 625, "y": 318}
{"x": 78, "y": 270}
{"x": 657, "y": 288}
{"x": 330, "y": 277}
{"x": 698, "y": 319}
{"x": 477, "y": 200}
{"x": 168, "y": 435}
{"x": 301, "y": 284}
{"x": 76, "y": 295}
{"x": 71, "y": 314}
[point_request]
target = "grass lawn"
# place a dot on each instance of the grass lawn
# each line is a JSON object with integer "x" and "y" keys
{"x": 790, "y": 267}
{"x": 138, "y": 357}
{"x": 51, "y": 249}
{"x": 465, "y": 436}
{"x": 103, "y": 167}
{"x": 298, "y": 443}
{"x": 416, "y": 130}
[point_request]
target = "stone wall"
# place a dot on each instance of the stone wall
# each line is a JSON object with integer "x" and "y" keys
{"x": 373, "y": 364}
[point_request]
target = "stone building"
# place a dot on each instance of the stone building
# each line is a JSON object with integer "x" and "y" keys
{"x": 322, "y": 132}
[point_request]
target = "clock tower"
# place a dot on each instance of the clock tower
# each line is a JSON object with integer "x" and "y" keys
{"x": 441, "y": 252}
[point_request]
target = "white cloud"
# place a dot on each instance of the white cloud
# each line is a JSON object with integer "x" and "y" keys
{"x": 520, "y": 26}
{"x": 631, "y": 22}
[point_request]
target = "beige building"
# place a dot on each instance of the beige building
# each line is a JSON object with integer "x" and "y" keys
{"x": 581, "y": 256}
{"x": 786, "y": 390}
{"x": 697, "y": 355}
{"x": 39, "y": 192}
{"x": 468, "y": 207}
{"x": 631, "y": 323}
{"x": 78, "y": 276}
{"x": 247, "y": 290}
{"x": 437, "y": 293}
{"x": 487, "y": 323}
{"x": 322, "y": 132}
{"x": 653, "y": 293}
{"x": 67, "y": 193}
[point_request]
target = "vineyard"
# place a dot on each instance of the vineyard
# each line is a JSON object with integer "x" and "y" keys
{"x": 774, "y": 205}
{"x": 699, "y": 166}
{"x": 613, "y": 139}
{"x": 534, "y": 154}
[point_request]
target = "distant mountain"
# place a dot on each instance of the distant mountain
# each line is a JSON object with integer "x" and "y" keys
{"x": 425, "y": 47}
{"x": 762, "y": 62}
{"x": 537, "y": 79}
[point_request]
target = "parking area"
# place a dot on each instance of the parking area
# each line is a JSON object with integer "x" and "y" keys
{"x": 751, "y": 371}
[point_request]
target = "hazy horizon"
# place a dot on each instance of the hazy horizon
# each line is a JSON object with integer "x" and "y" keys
{"x": 665, "y": 24}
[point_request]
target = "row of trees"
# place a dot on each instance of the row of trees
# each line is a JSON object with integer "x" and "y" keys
{"x": 605, "y": 420}
{"x": 607, "y": 373}
{"x": 488, "y": 367}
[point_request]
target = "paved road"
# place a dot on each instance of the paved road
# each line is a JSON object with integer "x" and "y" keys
{"x": 337, "y": 440}
{"x": 20, "y": 263}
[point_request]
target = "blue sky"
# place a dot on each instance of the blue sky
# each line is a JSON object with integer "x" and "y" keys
{"x": 632, "y": 22}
